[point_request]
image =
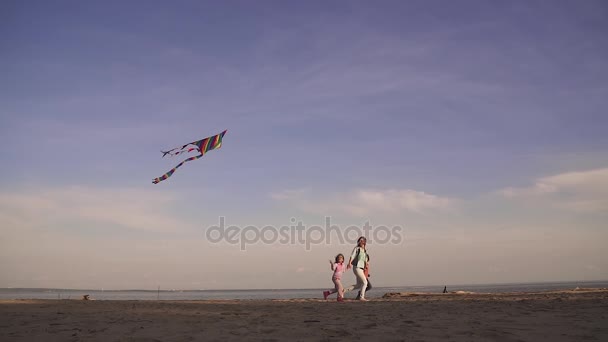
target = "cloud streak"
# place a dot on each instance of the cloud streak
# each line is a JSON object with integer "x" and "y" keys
{"x": 363, "y": 202}
{"x": 133, "y": 209}
{"x": 580, "y": 191}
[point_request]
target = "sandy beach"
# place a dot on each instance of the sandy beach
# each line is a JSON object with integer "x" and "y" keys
{"x": 548, "y": 316}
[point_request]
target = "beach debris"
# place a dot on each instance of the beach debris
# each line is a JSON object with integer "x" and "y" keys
{"x": 400, "y": 294}
{"x": 86, "y": 297}
{"x": 427, "y": 294}
{"x": 202, "y": 146}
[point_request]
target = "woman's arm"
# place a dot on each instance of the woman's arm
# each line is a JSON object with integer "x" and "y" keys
{"x": 352, "y": 256}
{"x": 354, "y": 253}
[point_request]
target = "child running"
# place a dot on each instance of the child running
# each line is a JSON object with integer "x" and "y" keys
{"x": 338, "y": 268}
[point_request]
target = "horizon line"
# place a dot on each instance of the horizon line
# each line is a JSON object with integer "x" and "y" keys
{"x": 311, "y": 288}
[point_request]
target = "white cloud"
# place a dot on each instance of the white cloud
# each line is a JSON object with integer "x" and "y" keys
{"x": 364, "y": 202}
{"x": 582, "y": 191}
{"x": 394, "y": 200}
{"x": 129, "y": 208}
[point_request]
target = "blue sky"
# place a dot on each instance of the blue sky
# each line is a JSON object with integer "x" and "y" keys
{"x": 474, "y": 115}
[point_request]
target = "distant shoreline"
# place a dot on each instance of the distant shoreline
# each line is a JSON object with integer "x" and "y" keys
{"x": 390, "y": 296}
{"x": 308, "y": 289}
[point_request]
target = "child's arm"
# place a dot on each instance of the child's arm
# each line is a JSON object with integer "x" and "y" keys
{"x": 331, "y": 264}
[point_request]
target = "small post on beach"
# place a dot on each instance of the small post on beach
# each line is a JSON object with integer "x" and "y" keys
{"x": 158, "y": 293}
{"x": 445, "y": 289}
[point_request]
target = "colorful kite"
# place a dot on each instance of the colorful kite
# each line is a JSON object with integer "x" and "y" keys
{"x": 203, "y": 146}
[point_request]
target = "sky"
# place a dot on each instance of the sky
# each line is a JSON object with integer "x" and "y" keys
{"x": 478, "y": 128}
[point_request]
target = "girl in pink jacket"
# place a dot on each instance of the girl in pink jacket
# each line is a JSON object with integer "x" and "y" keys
{"x": 338, "y": 268}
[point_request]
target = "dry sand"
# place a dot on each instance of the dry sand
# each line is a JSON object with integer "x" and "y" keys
{"x": 549, "y": 316}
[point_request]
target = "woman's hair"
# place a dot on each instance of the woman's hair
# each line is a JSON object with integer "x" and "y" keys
{"x": 338, "y": 256}
{"x": 361, "y": 238}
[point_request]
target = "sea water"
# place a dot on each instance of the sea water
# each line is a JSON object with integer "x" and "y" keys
{"x": 376, "y": 292}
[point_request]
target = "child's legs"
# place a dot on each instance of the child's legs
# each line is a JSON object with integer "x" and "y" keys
{"x": 335, "y": 289}
{"x": 339, "y": 287}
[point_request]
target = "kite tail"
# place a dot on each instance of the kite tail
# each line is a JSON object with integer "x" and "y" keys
{"x": 172, "y": 153}
{"x": 168, "y": 174}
